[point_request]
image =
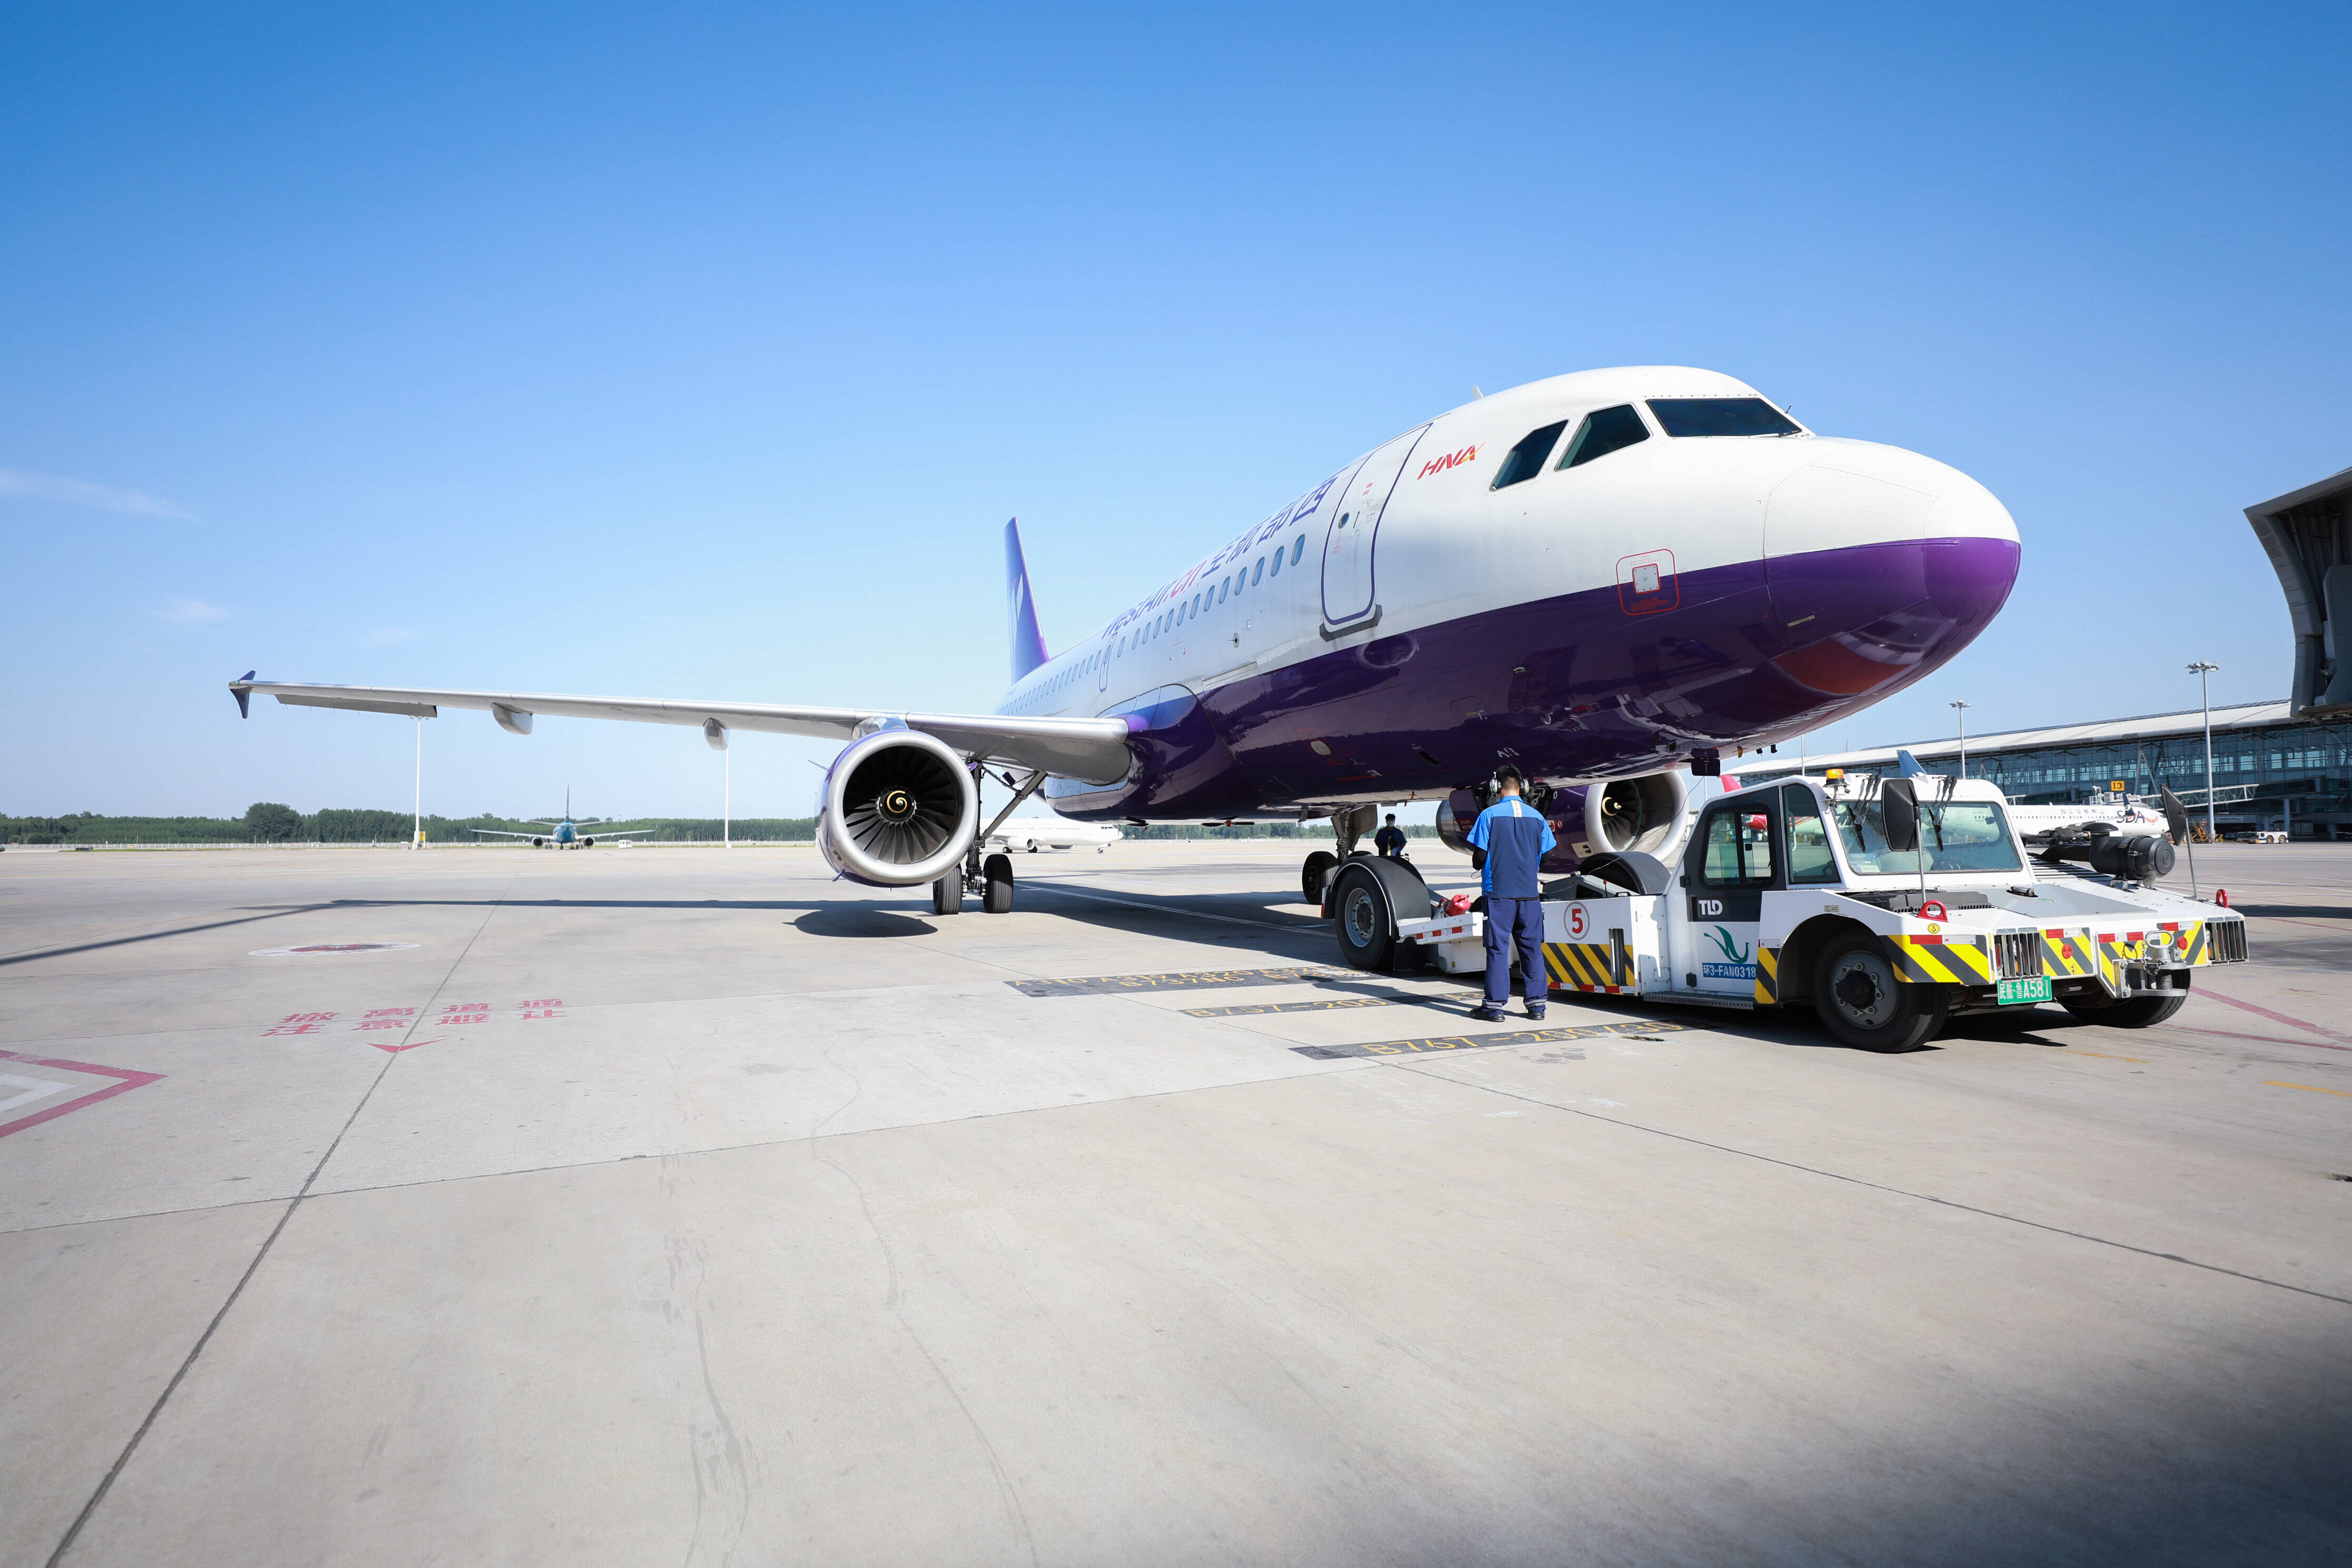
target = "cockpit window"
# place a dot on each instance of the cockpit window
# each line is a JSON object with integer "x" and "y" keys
{"x": 1525, "y": 460}
{"x": 1721, "y": 417}
{"x": 1604, "y": 432}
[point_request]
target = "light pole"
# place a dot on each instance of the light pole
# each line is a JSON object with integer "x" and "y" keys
{"x": 2202, "y": 670}
{"x": 416, "y": 836}
{"x": 1962, "y": 709}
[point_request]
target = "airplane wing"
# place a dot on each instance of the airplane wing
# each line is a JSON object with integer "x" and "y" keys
{"x": 1094, "y": 749}
{"x": 503, "y": 833}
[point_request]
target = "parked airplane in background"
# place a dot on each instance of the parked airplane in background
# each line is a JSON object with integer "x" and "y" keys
{"x": 1035, "y": 833}
{"x": 2039, "y": 824}
{"x": 566, "y": 833}
{"x": 1601, "y": 578}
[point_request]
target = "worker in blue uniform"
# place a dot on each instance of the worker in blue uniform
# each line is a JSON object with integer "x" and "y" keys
{"x": 1389, "y": 840}
{"x": 1516, "y": 838}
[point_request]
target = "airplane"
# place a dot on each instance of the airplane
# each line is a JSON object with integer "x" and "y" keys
{"x": 2041, "y": 823}
{"x": 566, "y": 833}
{"x": 1035, "y": 833}
{"x": 1603, "y": 578}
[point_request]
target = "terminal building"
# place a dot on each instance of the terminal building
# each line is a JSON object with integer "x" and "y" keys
{"x": 2280, "y": 764}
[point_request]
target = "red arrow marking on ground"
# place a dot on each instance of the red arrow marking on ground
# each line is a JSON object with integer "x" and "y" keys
{"x": 412, "y": 1044}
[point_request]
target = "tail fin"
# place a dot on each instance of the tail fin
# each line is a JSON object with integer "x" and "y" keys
{"x": 1905, "y": 765}
{"x": 1028, "y": 642}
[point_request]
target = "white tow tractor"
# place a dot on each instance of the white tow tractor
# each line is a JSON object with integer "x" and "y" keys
{"x": 1889, "y": 905}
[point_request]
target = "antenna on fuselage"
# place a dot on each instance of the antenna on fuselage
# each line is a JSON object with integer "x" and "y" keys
{"x": 1475, "y": 392}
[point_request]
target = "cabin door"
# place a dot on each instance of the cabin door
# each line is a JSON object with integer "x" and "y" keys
{"x": 1348, "y": 586}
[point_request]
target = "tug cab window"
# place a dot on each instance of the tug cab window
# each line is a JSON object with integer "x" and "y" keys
{"x": 1604, "y": 431}
{"x": 1721, "y": 417}
{"x": 1525, "y": 460}
{"x": 1810, "y": 858}
{"x": 1739, "y": 846}
{"x": 1957, "y": 836}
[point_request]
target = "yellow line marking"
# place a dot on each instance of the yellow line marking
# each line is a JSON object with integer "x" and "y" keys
{"x": 2104, "y": 1057}
{"x": 2315, "y": 1089}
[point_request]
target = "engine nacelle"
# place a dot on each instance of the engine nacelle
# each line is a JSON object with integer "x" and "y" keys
{"x": 1650, "y": 813}
{"x": 897, "y": 809}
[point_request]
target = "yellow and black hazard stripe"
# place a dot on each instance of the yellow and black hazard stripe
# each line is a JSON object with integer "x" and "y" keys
{"x": 1936, "y": 960}
{"x": 2068, "y": 955}
{"x": 1588, "y": 966}
{"x": 1767, "y": 975}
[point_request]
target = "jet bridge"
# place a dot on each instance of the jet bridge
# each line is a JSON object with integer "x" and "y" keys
{"x": 2309, "y": 542}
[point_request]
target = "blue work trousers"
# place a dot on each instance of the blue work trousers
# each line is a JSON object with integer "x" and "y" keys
{"x": 1520, "y": 919}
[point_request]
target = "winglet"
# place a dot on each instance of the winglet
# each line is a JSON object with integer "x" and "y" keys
{"x": 1907, "y": 766}
{"x": 1028, "y": 642}
{"x": 243, "y": 691}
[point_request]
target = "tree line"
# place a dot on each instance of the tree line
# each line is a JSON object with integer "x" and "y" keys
{"x": 271, "y": 822}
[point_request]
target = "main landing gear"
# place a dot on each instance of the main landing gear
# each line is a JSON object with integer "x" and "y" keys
{"x": 989, "y": 877}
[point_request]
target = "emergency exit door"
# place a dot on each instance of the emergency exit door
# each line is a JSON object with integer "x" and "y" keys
{"x": 1348, "y": 584}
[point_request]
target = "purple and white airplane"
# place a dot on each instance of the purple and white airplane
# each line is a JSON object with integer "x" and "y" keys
{"x": 1605, "y": 578}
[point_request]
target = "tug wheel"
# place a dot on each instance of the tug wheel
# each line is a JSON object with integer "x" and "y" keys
{"x": 1310, "y": 875}
{"x": 1862, "y": 1002}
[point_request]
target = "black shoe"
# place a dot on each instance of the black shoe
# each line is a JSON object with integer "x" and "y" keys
{"x": 1536, "y": 1014}
{"x": 1487, "y": 1015}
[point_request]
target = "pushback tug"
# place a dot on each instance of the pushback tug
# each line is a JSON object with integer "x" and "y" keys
{"x": 1889, "y": 905}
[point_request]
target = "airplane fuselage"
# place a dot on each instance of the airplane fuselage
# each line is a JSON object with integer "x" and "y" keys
{"x": 1406, "y": 626}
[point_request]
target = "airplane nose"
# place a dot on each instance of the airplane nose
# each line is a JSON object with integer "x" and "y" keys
{"x": 1883, "y": 564}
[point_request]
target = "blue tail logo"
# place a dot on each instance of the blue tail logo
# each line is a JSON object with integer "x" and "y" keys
{"x": 1028, "y": 642}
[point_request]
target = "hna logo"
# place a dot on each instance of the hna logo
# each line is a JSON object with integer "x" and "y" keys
{"x": 1710, "y": 906}
{"x": 1451, "y": 461}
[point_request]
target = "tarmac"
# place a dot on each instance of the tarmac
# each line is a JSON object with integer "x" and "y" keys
{"x": 685, "y": 1206}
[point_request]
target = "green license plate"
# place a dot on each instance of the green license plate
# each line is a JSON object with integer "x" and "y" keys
{"x": 2037, "y": 989}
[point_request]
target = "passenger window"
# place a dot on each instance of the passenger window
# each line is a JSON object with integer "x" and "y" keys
{"x": 1738, "y": 848}
{"x": 1604, "y": 431}
{"x": 1525, "y": 460}
{"x": 1810, "y": 858}
{"x": 1299, "y": 549}
{"x": 1260, "y": 571}
{"x": 1277, "y": 565}
{"x": 1720, "y": 416}
{"x": 1221, "y": 587}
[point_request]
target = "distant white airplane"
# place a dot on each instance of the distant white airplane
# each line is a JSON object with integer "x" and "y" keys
{"x": 2038, "y": 822}
{"x": 1036, "y": 833}
{"x": 566, "y": 833}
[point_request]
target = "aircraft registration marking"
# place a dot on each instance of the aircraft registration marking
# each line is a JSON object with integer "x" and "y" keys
{"x": 1480, "y": 1042}
{"x": 1188, "y": 980}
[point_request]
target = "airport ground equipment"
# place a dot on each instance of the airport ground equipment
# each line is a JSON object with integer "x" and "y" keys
{"x": 1889, "y": 905}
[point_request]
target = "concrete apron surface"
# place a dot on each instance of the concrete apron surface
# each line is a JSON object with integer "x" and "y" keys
{"x": 686, "y": 1207}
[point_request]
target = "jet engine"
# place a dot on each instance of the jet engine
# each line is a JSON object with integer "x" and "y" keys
{"x": 897, "y": 809}
{"x": 1649, "y": 813}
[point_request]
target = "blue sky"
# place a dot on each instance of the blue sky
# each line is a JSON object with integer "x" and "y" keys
{"x": 704, "y": 352}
